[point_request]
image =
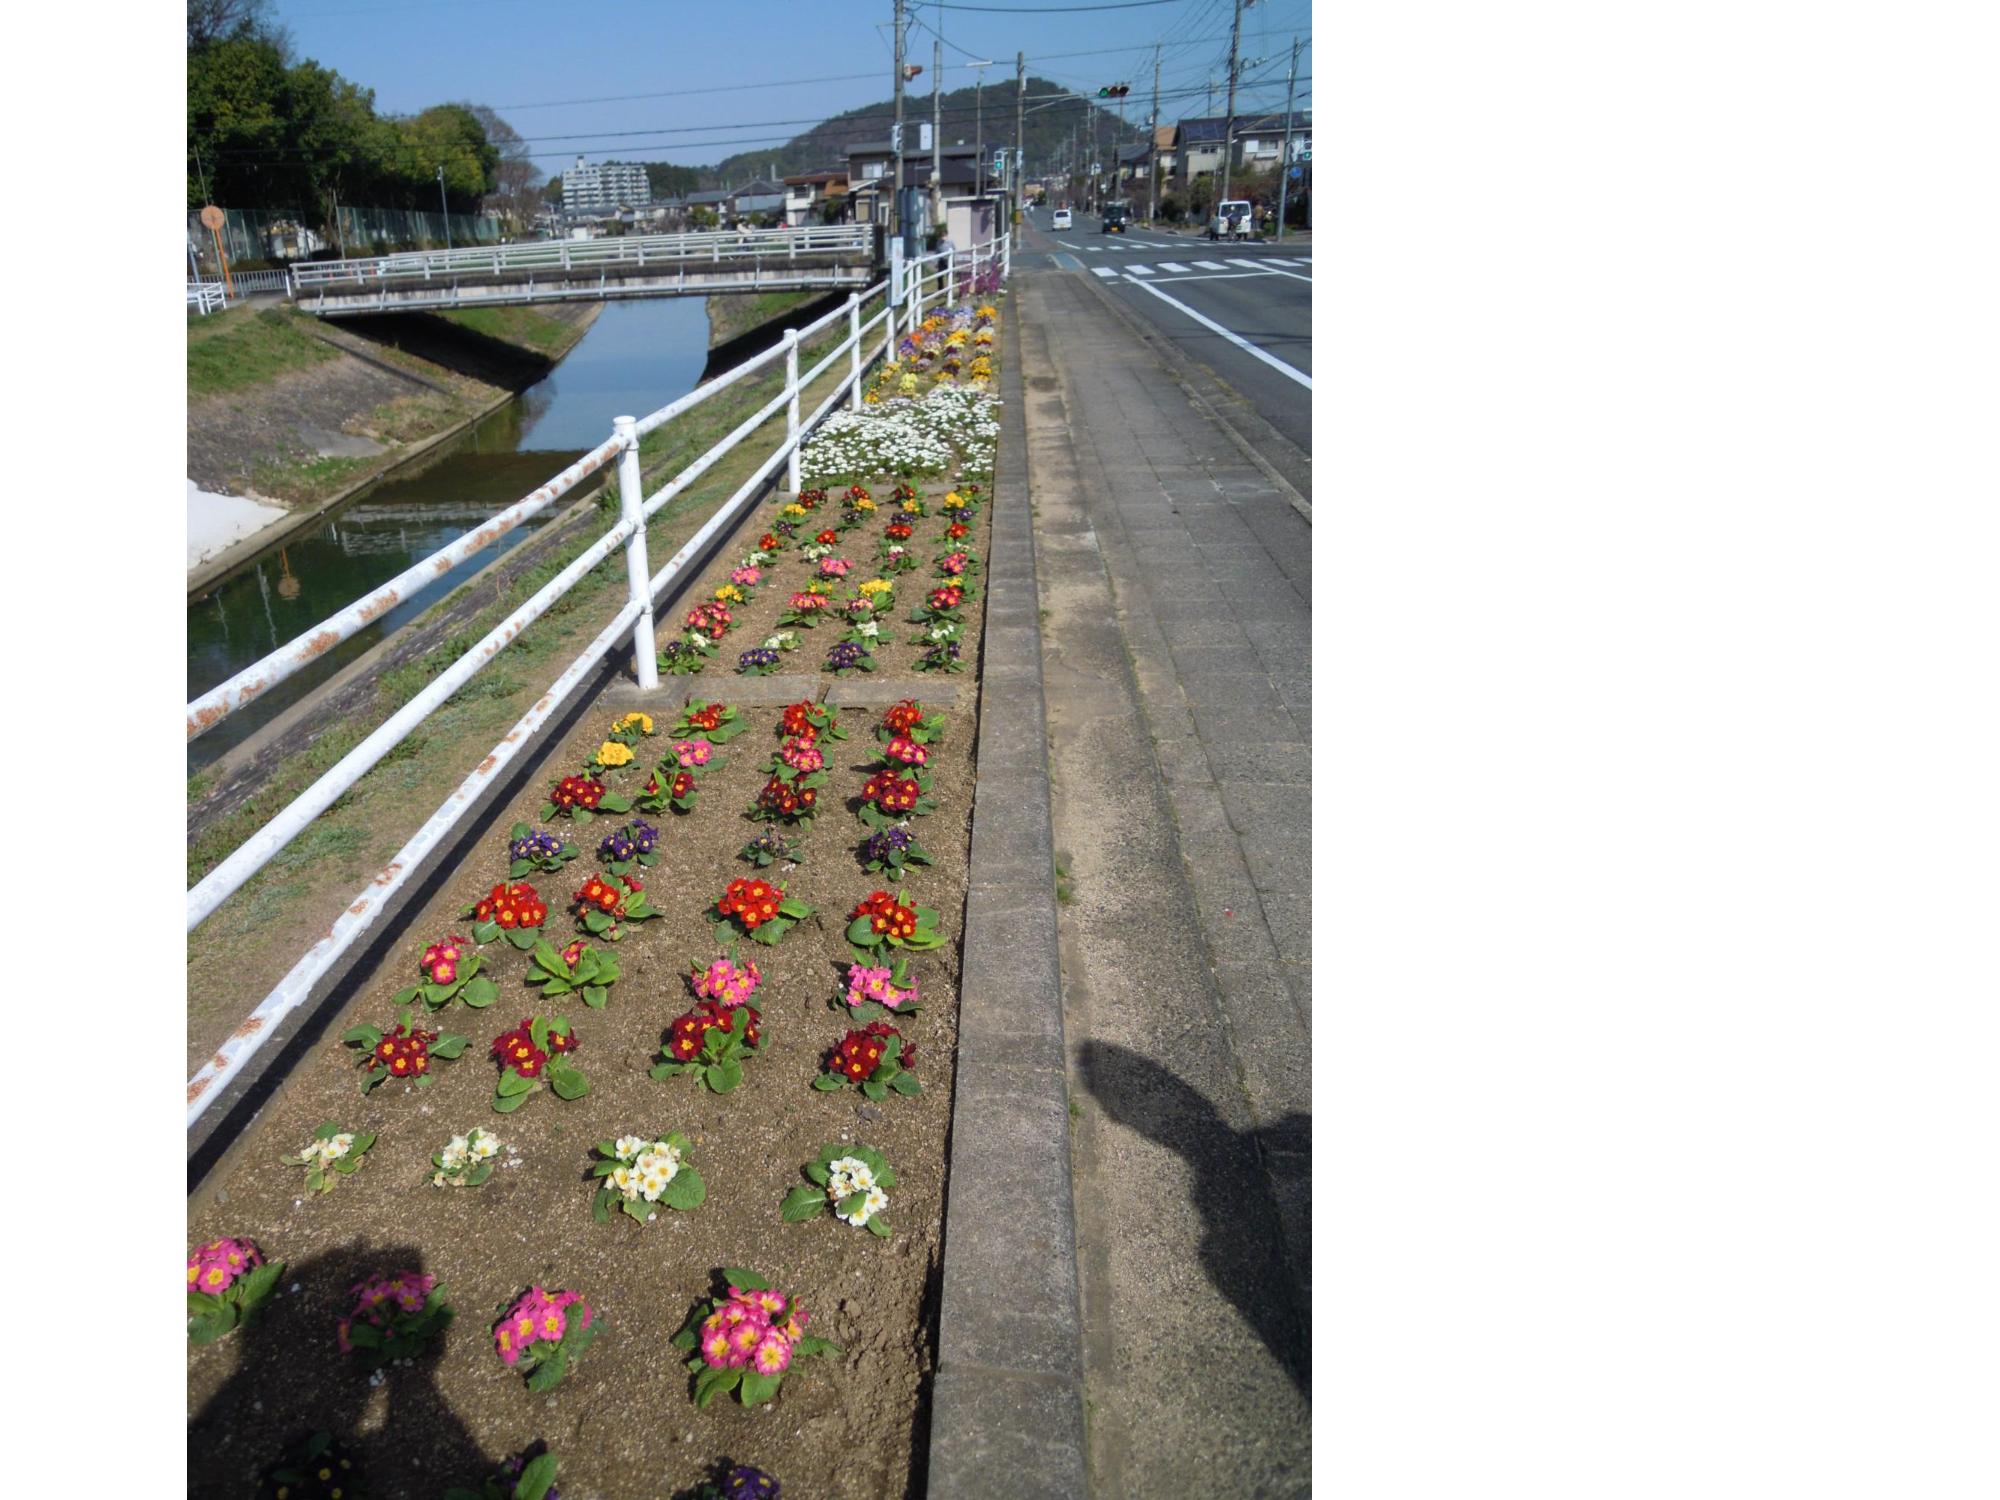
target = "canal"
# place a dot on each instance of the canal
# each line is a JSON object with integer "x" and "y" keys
{"x": 638, "y": 356}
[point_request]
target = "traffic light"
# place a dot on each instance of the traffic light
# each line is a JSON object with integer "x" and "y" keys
{"x": 1114, "y": 91}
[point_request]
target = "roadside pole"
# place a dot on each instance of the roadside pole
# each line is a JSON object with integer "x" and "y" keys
{"x": 1229, "y": 123}
{"x": 1152, "y": 137}
{"x": 1285, "y": 154}
{"x": 1020, "y": 98}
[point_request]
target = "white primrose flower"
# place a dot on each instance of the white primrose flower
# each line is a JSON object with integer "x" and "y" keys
{"x": 626, "y": 1147}
{"x": 876, "y": 1201}
{"x": 338, "y": 1146}
{"x": 485, "y": 1145}
{"x": 622, "y": 1179}
{"x": 869, "y": 628}
{"x": 652, "y": 1186}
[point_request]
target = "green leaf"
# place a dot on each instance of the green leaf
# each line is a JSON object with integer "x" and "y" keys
{"x": 568, "y": 1082}
{"x": 711, "y": 1380}
{"x": 594, "y": 996}
{"x": 666, "y": 1070}
{"x": 600, "y": 1206}
{"x": 723, "y": 1076}
{"x": 449, "y": 1046}
{"x": 861, "y": 931}
{"x": 877, "y": 1228}
{"x": 549, "y": 1373}
{"x": 906, "y": 1083}
{"x": 536, "y": 1479}
{"x": 794, "y": 908}
{"x": 802, "y": 1203}
{"x": 524, "y": 937}
{"x": 769, "y": 932}
{"x": 367, "y": 1036}
{"x": 874, "y": 1090}
{"x": 479, "y": 993}
{"x": 506, "y": 1104}
{"x": 747, "y": 1280}
{"x": 827, "y": 1083}
{"x": 485, "y": 932}
{"x": 817, "y": 1171}
{"x": 756, "y": 1389}
{"x": 686, "y": 1191}
{"x": 549, "y": 961}
{"x": 685, "y": 1339}
{"x": 512, "y": 1083}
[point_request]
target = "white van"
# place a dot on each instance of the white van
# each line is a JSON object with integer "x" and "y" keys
{"x": 1061, "y": 220}
{"x": 1231, "y": 221}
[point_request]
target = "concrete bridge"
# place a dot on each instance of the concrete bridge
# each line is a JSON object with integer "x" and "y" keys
{"x": 828, "y": 258}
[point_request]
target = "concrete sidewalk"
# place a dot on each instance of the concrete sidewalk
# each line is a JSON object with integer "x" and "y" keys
{"x": 1175, "y": 583}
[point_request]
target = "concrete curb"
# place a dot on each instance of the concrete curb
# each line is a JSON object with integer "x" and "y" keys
{"x": 1007, "y": 1401}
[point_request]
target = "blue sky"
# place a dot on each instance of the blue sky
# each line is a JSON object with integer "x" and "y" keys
{"x": 728, "y": 77}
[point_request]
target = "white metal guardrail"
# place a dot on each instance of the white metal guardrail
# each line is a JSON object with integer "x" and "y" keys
{"x": 663, "y": 250}
{"x": 206, "y": 297}
{"x": 922, "y": 283}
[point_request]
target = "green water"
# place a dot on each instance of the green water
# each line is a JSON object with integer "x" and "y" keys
{"x": 637, "y": 357}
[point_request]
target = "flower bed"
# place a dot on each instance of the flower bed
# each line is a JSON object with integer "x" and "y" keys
{"x": 529, "y": 1221}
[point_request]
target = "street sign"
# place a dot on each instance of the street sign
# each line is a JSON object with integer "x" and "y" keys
{"x": 212, "y": 217}
{"x": 923, "y": 135}
{"x": 1297, "y": 173}
{"x": 895, "y": 137}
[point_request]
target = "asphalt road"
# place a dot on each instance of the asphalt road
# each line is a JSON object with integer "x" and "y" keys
{"x": 1242, "y": 310}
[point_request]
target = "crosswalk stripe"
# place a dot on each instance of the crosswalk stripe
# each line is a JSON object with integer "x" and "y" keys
{"x": 1208, "y": 265}
{"x": 1140, "y": 270}
{"x": 1102, "y": 271}
{"x": 1253, "y": 265}
{"x": 1281, "y": 261}
{"x": 1172, "y": 265}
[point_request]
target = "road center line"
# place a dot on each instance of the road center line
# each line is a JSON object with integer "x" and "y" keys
{"x": 1235, "y": 338}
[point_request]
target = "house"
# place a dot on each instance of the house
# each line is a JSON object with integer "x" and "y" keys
{"x": 871, "y": 164}
{"x": 815, "y": 198}
{"x": 758, "y": 199}
{"x": 1255, "y": 144}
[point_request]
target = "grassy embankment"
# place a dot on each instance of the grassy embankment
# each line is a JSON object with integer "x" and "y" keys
{"x": 236, "y": 353}
{"x": 254, "y": 937}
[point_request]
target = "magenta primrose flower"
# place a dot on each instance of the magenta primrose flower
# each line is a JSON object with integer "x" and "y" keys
{"x": 214, "y": 1268}
{"x": 865, "y": 983}
{"x": 802, "y": 755}
{"x": 407, "y": 1289}
{"x": 538, "y": 1317}
{"x": 440, "y": 960}
{"x": 689, "y": 754}
{"x": 747, "y": 577}
{"x": 833, "y": 567}
{"x": 752, "y": 1329}
{"x": 727, "y": 982}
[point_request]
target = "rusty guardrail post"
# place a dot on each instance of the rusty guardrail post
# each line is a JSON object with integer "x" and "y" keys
{"x": 638, "y": 574}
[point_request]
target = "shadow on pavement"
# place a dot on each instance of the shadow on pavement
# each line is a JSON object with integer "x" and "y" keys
{"x": 290, "y": 1381}
{"x": 1241, "y": 1243}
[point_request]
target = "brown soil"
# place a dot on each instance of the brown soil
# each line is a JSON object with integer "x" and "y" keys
{"x": 624, "y": 1423}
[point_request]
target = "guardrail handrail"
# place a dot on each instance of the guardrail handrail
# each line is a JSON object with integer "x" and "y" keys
{"x": 635, "y": 616}
{"x": 529, "y": 255}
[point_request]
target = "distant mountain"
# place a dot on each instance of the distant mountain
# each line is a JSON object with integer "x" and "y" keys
{"x": 1047, "y": 124}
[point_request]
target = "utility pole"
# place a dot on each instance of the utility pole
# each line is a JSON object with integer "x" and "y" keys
{"x": 937, "y": 133}
{"x": 896, "y": 189}
{"x": 1285, "y": 154}
{"x": 445, "y": 206}
{"x": 1020, "y": 144}
{"x": 979, "y": 136}
{"x": 1152, "y": 148}
{"x": 1229, "y": 125}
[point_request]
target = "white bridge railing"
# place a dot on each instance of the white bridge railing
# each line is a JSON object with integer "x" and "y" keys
{"x": 909, "y": 289}
{"x": 663, "y": 250}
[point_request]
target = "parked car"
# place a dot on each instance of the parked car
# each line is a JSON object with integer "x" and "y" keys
{"x": 1061, "y": 220}
{"x": 1231, "y": 221}
{"x": 1117, "y": 217}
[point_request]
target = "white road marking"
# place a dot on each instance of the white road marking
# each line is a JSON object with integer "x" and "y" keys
{"x": 1278, "y": 260}
{"x": 1235, "y": 338}
{"x": 1068, "y": 246}
{"x": 1254, "y": 265}
{"x": 1209, "y": 265}
{"x": 1172, "y": 265}
{"x": 1105, "y": 271}
{"x": 1140, "y": 270}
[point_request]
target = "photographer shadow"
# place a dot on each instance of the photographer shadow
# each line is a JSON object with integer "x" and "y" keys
{"x": 1243, "y": 1245}
{"x": 292, "y": 1380}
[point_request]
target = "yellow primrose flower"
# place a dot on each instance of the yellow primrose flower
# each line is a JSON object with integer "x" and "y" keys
{"x": 819, "y": 586}
{"x": 796, "y": 511}
{"x": 871, "y": 397}
{"x": 864, "y": 503}
{"x": 988, "y": 310}
{"x": 729, "y": 593}
{"x": 913, "y": 506}
{"x": 611, "y": 753}
{"x": 641, "y": 722}
{"x": 909, "y": 385}
{"x": 984, "y": 336}
{"x": 876, "y": 586}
